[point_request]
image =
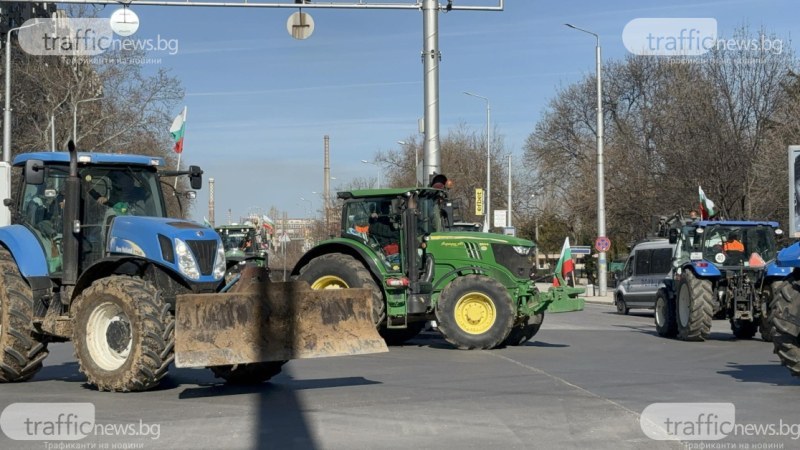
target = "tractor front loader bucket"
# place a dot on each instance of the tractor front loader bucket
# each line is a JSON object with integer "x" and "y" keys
{"x": 260, "y": 321}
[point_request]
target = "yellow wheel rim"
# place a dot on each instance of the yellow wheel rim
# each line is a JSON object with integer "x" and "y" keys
{"x": 475, "y": 313}
{"x": 329, "y": 282}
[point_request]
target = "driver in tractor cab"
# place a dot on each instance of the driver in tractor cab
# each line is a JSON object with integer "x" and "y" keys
{"x": 734, "y": 249}
{"x": 380, "y": 227}
{"x": 123, "y": 194}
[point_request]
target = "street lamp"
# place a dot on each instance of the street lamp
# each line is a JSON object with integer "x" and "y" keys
{"x": 7, "y": 110}
{"x": 486, "y": 222}
{"x": 601, "y": 204}
{"x": 310, "y": 205}
{"x": 75, "y": 116}
{"x": 376, "y": 166}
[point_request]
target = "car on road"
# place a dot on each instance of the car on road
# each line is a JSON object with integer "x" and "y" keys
{"x": 649, "y": 263}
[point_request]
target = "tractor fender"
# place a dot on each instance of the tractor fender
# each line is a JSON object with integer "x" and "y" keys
{"x": 26, "y": 250}
{"x": 789, "y": 256}
{"x": 774, "y": 270}
{"x": 357, "y": 251}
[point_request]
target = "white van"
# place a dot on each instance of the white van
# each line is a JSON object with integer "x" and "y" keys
{"x": 649, "y": 263}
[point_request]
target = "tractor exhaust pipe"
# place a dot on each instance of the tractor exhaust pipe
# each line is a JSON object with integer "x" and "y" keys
{"x": 71, "y": 235}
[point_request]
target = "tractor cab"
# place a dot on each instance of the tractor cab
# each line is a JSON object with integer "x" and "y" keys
{"x": 729, "y": 243}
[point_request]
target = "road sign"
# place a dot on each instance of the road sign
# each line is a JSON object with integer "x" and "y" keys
{"x": 580, "y": 249}
{"x": 602, "y": 244}
{"x": 300, "y": 25}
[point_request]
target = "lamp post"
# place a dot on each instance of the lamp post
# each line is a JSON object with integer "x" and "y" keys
{"x": 416, "y": 162}
{"x": 509, "y": 193}
{"x": 7, "y": 110}
{"x": 601, "y": 204}
{"x": 75, "y": 116}
{"x": 377, "y": 167}
{"x": 487, "y": 220}
{"x": 310, "y": 205}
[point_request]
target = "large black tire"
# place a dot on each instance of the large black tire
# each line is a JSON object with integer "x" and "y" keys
{"x": 786, "y": 320}
{"x": 123, "y": 334}
{"x": 339, "y": 271}
{"x": 248, "y": 374}
{"x": 399, "y": 336}
{"x": 22, "y": 352}
{"x": 524, "y": 330}
{"x": 475, "y": 312}
{"x": 622, "y": 307}
{"x": 768, "y": 298}
{"x": 695, "y": 308}
{"x": 666, "y": 323}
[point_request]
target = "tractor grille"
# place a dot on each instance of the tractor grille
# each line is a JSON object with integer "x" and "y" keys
{"x": 517, "y": 264}
{"x": 473, "y": 251}
{"x": 204, "y": 253}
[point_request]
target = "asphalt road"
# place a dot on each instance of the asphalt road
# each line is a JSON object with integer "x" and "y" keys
{"x": 583, "y": 383}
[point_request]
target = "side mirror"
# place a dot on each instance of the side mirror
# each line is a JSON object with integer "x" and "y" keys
{"x": 34, "y": 171}
{"x": 196, "y": 177}
{"x": 673, "y": 235}
{"x": 396, "y": 204}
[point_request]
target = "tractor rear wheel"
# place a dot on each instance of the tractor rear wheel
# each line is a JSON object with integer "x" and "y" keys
{"x": 695, "y": 308}
{"x": 123, "y": 334}
{"x": 786, "y": 320}
{"x": 248, "y": 374}
{"x": 475, "y": 312}
{"x": 21, "y": 351}
{"x": 666, "y": 323}
{"x": 524, "y": 330}
{"x": 340, "y": 271}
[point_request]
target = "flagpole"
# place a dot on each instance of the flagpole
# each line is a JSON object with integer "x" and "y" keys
{"x": 178, "y": 166}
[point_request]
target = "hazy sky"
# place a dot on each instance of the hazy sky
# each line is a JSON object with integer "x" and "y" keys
{"x": 260, "y": 102}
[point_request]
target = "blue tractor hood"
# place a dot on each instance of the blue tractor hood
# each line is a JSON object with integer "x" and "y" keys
{"x": 155, "y": 239}
{"x": 789, "y": 256}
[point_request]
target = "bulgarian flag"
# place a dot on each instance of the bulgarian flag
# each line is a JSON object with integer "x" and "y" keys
{"x": 565, "y": 265}
{"x": 707, "y": 207}
{"x": 177, "y": 130}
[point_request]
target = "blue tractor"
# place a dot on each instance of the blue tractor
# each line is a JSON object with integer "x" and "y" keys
{"x": 92, "y": 257}
{"x": 721, "y": 270}
{"x": 785, "y": 313}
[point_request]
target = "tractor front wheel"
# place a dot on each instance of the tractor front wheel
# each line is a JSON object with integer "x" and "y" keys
{"x": 123, "y": 334}
{"x": 21, "y": 352}
{"x": 786, "y": 320}
{"x": 475, "y": 312}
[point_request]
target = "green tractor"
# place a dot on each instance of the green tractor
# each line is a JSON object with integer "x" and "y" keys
{"x": 476, "y": 286}
{"x": 242, "y": 246}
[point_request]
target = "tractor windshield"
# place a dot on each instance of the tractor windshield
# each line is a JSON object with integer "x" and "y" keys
{"x": 127, "y": 190}
{"x": 734, "y": 245}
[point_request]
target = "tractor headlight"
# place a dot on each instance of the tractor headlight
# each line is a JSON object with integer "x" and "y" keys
{"x": 187, "y": 264}
{"x": 522, "y": 250}
{"x": 219, "y": 262}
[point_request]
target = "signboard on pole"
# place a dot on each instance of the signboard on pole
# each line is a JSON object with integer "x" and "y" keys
{"x": 500, "y": 218}
{"x": 602, "y": 244}
{"x": 478, "y": 201}
{"x": 794, "y": 191}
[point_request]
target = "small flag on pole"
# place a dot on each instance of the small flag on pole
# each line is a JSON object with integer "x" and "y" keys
{"x": 177, "y": 130}
{"x": 707, "y": 206}
{"x": 565, "y": 266}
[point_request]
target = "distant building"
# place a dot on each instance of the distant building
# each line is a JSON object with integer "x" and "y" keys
{"x": 14, "y": 14}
